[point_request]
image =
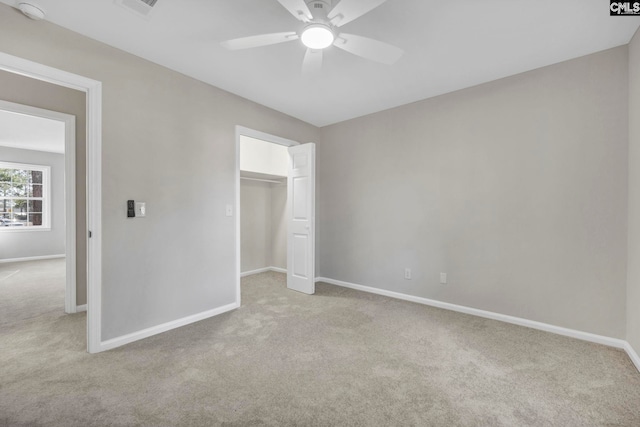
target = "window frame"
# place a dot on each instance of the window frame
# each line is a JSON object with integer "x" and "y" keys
{"x": 46, "y": 196}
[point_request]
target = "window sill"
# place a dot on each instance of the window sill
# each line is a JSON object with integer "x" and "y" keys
{"x": 23, "y": 229}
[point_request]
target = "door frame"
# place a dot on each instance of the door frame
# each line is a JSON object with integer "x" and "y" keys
{"x": 252, "y": 133}
{"x": 93, "y": 90}
{"x": 70, "y": 303}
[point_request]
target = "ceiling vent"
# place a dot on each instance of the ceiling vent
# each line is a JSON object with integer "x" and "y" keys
{"x": 141, "y": 7}
{"x": 319, "y": 8}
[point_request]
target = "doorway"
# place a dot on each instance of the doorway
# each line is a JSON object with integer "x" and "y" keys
{"x": 38, "y": 194}
{"x": 93, "y": 95}
{"x": 263, "y": 202}
{"x": 275, "y": 205}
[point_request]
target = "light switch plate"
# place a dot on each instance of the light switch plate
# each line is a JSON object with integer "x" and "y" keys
{"x": 141, "y": 209}
{"x": 229, "y": 210}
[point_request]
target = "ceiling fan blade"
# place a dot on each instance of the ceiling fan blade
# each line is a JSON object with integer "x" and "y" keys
{"x": 312, "y": 63}
{"x": 257, "y": 41}
{"x": 297, "y": 8}
{"x": 348, "y": 10}
{"x": 368, "y": 48}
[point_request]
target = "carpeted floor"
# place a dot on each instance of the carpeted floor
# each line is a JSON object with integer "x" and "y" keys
{"x": 30, "y": 290}
{"x": 338, "y": 358}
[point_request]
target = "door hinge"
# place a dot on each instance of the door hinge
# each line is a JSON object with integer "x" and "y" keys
{"x": 90, "y": 234}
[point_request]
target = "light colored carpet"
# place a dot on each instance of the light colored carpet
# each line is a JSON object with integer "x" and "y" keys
{"x": 340, "y": 357}
{"x": 5, "y": 274}
{"x": 29, "y": 290}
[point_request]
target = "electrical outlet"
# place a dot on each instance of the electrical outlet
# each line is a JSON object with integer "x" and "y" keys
{"x": 407, "y": 273}
{"x": 443, "y": 278}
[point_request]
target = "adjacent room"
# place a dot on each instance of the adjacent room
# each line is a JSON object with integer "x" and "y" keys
{"x": 319, "y": 212}
{"x": 32, "y": 181}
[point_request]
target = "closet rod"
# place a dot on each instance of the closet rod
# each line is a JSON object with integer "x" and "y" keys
{"x": 261, "y": 180}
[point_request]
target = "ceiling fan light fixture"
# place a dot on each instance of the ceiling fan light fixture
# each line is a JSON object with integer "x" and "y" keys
{"x": 317, "y": 36}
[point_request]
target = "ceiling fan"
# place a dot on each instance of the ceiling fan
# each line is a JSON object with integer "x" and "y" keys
{"x": 322, "y": 21}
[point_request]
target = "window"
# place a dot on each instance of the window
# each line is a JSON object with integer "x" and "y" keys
{"x": 24, "y": 197}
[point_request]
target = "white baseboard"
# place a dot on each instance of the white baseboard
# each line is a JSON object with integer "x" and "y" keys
{"x": 585, "y": 336}
{"x": 33, "y": 258}
{"x": 632, "y": 355}
{"x": 81, "y": 308}
{"x": 252, "y": 272}
{"x": 154, "y": 330}
{"x": 263, "y": 270}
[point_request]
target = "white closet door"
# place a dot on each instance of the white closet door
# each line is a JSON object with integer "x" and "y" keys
{"x": 301, "y": 198}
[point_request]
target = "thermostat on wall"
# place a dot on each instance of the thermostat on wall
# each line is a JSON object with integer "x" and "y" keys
{"x": 136, "y": 209}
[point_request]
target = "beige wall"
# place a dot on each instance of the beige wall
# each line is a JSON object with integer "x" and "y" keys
{"x": 633, "y": 285}
{"x": 26, "y": 91}
{"x": 279, "y": 225}
{"x": 263, "y": 226}
{"x": 516, "y": 188}
{"x": 168, "y": 140}
{"x": 255, "y": 225}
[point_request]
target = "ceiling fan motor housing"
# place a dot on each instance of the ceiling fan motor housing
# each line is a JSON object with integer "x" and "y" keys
{"x": 319, "y": 9}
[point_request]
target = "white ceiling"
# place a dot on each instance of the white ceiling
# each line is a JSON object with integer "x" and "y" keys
{"x": 31, "y": 132}
{"x": 449, "y": 45}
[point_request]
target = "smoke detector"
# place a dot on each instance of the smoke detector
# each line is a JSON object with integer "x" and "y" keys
{"x": 31, "y": 11}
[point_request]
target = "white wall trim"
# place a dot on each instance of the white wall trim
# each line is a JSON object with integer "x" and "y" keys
{"x": 81, "y": 308}
{"x": 70, "y": 299}
{"x": 237, "y": 240}
{"x": 93, "y": 90}
{"x": 632, "y": 355}
{"x": 263, "y": 270}
{"x": 94, "y": 216}
{"x": 256, "y": 271}
{"x": 154, "y": 330}
{"x": 252, "y": 133}
{"x": 32, "y": 258}
{"x": 585, "y": 336}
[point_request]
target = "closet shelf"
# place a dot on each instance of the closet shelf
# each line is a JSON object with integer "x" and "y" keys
{"x": 273, "y": 181}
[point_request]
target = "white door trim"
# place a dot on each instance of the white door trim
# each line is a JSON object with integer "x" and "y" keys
{"x": 69, "y": 190}
{"x": 93, "y": 90}
{"x": 241, "y": 130}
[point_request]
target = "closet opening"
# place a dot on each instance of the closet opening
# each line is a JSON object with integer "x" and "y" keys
{"x": 275, "y": 206}
{"x": 263, "y": 205}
